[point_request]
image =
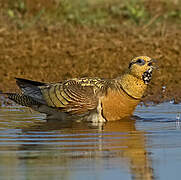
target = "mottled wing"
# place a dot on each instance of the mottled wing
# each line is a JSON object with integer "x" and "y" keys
{"x": 76, "y": 96}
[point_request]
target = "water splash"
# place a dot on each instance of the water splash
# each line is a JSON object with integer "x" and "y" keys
{"x": 172, "y": 101}
{"x": 178, "y": 116}
{"x": 178, "y": 125}
{"x": 163, "y": 89}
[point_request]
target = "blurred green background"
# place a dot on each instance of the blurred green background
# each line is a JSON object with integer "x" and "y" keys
{"x": 107, "y": 13}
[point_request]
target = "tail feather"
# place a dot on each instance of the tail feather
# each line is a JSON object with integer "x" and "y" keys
{"x": 22, "y": 99}
{"x": 23, "y": 82}
{"x": 31, "y": 93}
{"x": 31, "y": 89}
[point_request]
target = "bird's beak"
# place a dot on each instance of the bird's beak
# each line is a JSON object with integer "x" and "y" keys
{"x": 153, "y": 64}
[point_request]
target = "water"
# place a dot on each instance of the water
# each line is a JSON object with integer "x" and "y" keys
{"x": 144, "y": 148}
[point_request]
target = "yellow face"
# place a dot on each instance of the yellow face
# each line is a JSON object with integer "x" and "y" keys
{"x": 142, "y": 67}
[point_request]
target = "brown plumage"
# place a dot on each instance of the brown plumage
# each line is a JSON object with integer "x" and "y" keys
{"x": 95, "y": 99}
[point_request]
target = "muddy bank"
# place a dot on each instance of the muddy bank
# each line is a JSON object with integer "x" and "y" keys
{"x": 57, "y": 52}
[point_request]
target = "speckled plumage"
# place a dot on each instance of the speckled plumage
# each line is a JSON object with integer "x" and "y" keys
{"x": 97, "y": 99}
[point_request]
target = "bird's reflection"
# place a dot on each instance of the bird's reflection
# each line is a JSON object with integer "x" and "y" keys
{"x": 118, "y": 139}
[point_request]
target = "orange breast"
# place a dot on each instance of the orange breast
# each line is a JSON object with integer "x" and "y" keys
{"x": 117, "y": 105}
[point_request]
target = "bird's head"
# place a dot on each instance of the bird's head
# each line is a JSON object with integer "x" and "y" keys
{"x": 142, "y": 68}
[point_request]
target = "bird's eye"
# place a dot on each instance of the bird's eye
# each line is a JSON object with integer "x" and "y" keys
{"x": 140, "y": 62}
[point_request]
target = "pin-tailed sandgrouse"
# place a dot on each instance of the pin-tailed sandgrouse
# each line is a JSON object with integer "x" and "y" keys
{"x": 94, "y": 98}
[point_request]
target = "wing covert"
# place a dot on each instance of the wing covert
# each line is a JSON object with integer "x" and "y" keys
{"x": 75, "y": 96}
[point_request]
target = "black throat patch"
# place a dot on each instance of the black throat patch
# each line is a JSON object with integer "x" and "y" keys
{"x": 147, "y": 75}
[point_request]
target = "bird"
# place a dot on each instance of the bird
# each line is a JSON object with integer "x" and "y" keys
{"x": 91, "y": 98}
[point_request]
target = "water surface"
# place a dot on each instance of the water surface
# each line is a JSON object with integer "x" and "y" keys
{"x": 145, "y": 147}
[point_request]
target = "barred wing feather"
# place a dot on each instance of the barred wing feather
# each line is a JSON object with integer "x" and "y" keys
{"x": 73, "y": 96}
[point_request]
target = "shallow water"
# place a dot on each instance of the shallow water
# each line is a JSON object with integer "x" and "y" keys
{"x": 146, "y": 147}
